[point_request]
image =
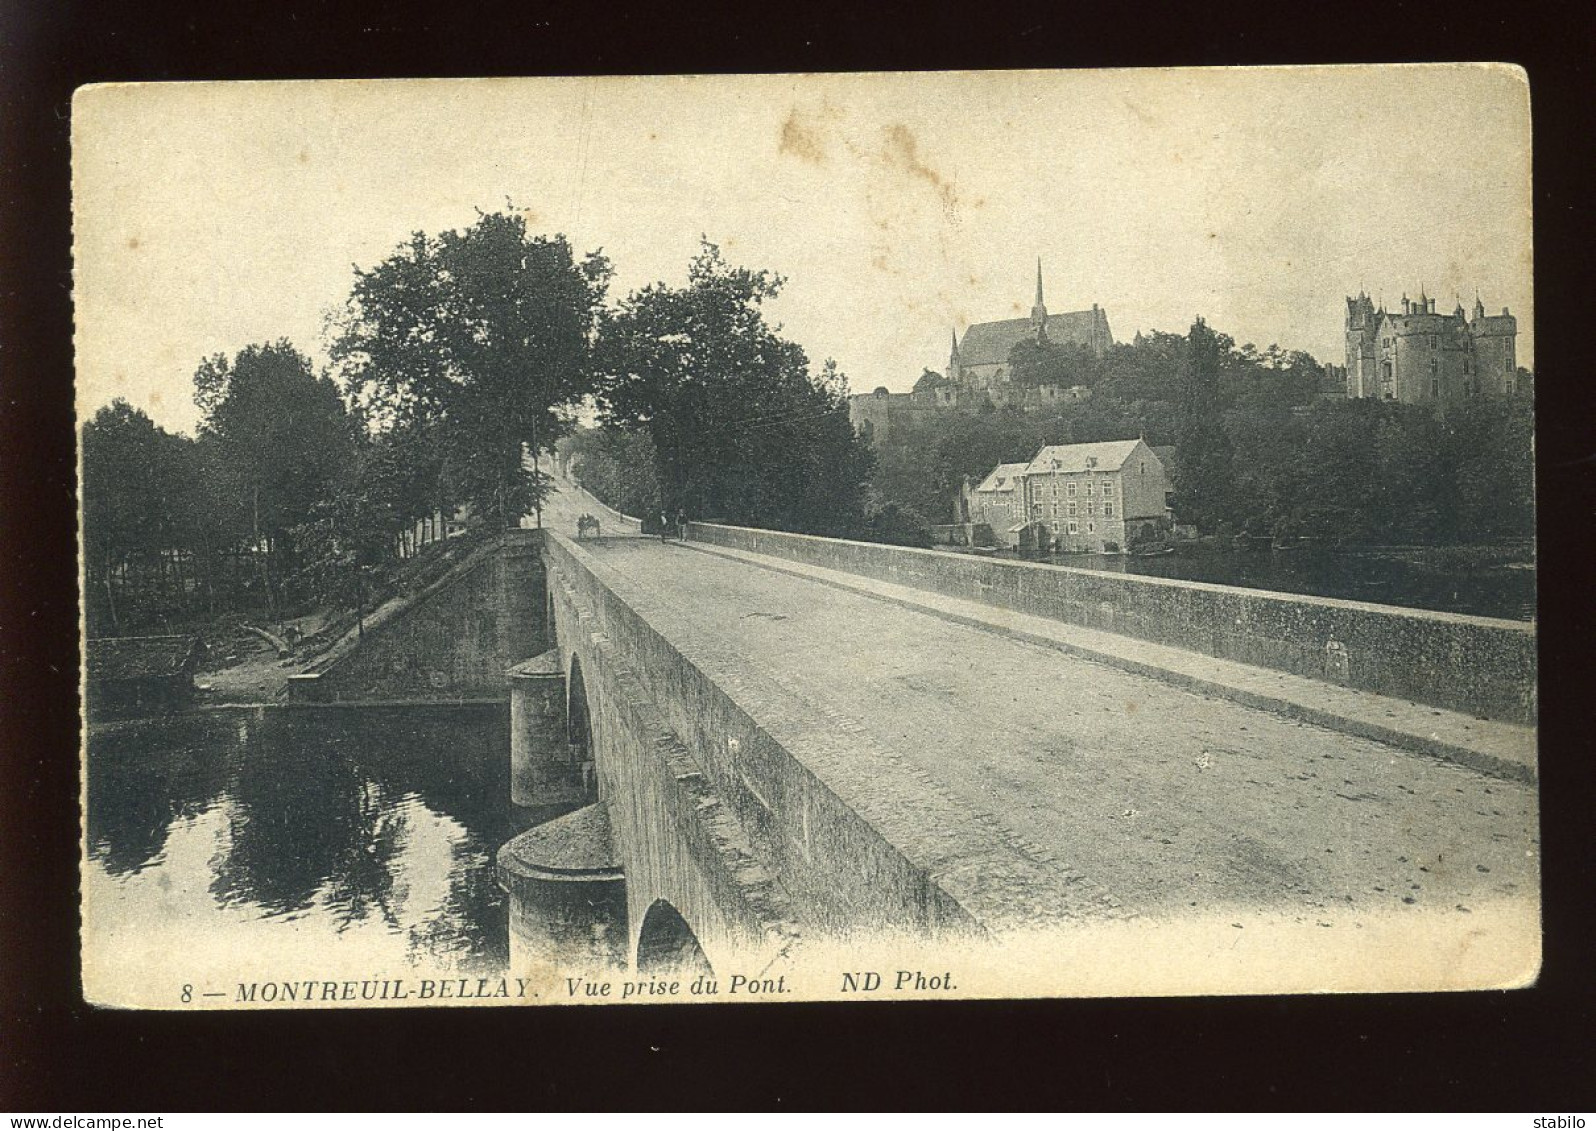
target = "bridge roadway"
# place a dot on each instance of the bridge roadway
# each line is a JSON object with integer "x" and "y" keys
{"x": 1135, "y": 797}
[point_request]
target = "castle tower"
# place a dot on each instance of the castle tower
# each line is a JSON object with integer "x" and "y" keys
{"x": 1361, "y": 330}
{"x": 1039, "y": 311}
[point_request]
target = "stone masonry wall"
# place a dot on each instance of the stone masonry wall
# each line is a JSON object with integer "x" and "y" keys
{"x": 707, "y": 809}
{"x": 454, "y": 640}
{"x": 1478, "y": 665}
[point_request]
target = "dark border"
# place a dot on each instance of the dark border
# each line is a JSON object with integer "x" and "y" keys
{"x": 1524, "y": 1050}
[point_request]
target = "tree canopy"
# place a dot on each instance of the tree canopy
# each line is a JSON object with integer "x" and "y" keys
{"x": 742, "y": 430}
{"x": 470, "y": 345}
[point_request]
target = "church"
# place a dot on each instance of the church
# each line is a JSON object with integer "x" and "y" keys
{"x": 978, "y": 370}
{"x": 981, "y": 361}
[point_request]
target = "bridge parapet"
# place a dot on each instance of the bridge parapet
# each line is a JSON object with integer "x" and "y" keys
{"x": 1482, "y": 666}
{"x": 714, "y": 807}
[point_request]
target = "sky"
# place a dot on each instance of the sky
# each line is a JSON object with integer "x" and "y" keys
{"x": 898, "y": 207}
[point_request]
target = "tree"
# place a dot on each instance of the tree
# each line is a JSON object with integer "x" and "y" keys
{"x": 617, "y": 466}
{"x": 139, "y": 486}
{"x": 1205, "y": 480}
{"x": 1065, "y": 364}
{"x": 474, "y": 344}
{"x": 742, "y": 431}
{"x": 1489, "y": 456}
{"x": 276, "y": 438}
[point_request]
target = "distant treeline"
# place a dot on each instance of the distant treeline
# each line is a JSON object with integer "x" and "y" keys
{"x": 451, "y": 359}
{"x": 1264, "y": 443}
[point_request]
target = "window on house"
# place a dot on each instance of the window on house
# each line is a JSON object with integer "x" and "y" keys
{"x": 1143, "y": 470}
{"x": 1432, "y": 341}
{"x": 1507, "y": 363}
{"x": 1432, "y": 365}
{"x": 1091, "y": 528}
{"x": 1108, "y": 510}
{"x": 1090, "y": 510}
{"x": 1071, "y": 507}
{"x": 1435, "y": 386}
{"x": 1088, "y": 486}
{"x": 1108, "y": 486}
{"x": 1069, "y": 488}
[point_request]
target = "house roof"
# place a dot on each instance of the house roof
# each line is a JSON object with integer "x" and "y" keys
{"x": 1066, "y": 458}
{"x": 989, "y": 343}
{"x": 140, "y": 657}
{"x": 1001, "y": 477}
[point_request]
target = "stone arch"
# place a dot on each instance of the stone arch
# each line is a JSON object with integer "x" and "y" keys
{"x": 667, "y": 944}
{"x": 579, "y": 731}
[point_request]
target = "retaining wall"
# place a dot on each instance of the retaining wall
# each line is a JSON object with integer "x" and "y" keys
{"x": 453, "y": 640}
{"x": 1477, "y": 665}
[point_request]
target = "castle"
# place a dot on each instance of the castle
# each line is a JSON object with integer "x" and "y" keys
{"x": 978, "y": 371}
{"x": 1421, "y": 357}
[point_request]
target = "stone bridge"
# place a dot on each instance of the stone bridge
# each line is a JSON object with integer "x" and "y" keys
{"x": 751, "y": 743}
{"x": 776, "y": 740}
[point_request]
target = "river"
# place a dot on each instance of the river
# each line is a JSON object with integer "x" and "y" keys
{"x": 305, "y": 836}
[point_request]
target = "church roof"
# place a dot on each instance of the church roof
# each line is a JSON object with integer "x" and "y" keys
{"x": 1066, "y": 458}
{"x": 989, "y": 343}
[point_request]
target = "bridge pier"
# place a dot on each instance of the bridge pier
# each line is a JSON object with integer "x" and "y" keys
{"x": 567, "y": 894}
{"x": 547, "y": 769}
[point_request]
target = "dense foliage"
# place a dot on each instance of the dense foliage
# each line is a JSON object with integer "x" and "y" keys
{"x": 742, "y": 430}
{"x": 618, "y": 466}
{"x": 459, "y": 353}
{"x": 468, "y": 347}
{"x": 1264, "y": 442}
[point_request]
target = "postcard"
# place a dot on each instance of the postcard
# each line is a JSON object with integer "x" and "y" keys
{"x": 879, "y": 537}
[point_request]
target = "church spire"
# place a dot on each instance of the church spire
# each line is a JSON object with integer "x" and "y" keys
{"x": 1039, "y": 311}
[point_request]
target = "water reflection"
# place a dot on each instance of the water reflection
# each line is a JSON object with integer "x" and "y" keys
{"x": 376, "y": 823}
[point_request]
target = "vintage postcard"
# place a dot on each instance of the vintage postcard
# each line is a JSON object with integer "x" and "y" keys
{"x": 789, "y": 537}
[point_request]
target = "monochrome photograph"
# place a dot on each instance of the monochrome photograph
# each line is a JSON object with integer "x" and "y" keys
{"x": 875, "y": 536}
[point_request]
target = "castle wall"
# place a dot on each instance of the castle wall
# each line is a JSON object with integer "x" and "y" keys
{"x": 1420, "y": 357}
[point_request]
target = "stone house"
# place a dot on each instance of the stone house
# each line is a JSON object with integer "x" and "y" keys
{"x": 996, "y": 502}
{"x": 1103, "y": 497}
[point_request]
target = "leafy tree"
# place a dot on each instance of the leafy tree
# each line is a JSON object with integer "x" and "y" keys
{"x": 139, "y": 501}
{"x": 1489, "y": 457}
{"x": 276, "y": 438}
{"x": 618, "y": 467}
{"x": 1066, "y": 364}
{"x": 1205, "y": 479}
{"x": 742, "y": 430}
{"x": 473, "y": 345}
